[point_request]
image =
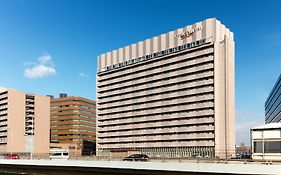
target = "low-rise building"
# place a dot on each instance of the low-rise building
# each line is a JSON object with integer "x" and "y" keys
{"x": 266, "y": 142}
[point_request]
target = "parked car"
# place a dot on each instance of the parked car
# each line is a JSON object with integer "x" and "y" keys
{"x": 243, "y": 156}
{"x": 59, "y": 155}
{"x": 12, "y": 156}
{"x": 136, "y": 157}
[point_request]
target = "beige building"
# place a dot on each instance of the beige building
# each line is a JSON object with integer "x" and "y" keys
{"x": 24, "y": 122}
{"x": 169, "y": 96}
{"x": 73, "y": 125}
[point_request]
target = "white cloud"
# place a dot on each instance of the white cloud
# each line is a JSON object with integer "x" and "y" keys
{"x": 45, "y": 59}
{"x": 28, "y": 63}
{"x": 43, "y": 67}
{"x": 83, "y": 75}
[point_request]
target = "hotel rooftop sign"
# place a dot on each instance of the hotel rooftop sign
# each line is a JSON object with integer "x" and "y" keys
{"x": 188, "y": 33}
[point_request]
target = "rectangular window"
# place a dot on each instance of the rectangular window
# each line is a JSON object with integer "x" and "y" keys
{"x": 257, "y": 147}
{"x": 272, "y": 147}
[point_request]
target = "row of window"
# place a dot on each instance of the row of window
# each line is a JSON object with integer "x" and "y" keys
{"x": 4, "y": 128}
{"x": 156, "y": 99}
{"x": 162, "y": 87}
{"x": 83, "y": 125}
{"x": 155, "y": 114}
{"x": 159, "y": 71}
{"x": 3, "y": 106}
{"x": 3, "y": 93}
{"x": 4, "y": 123}
{"x": 72, "y": 105}
{"x": 162, "y": 125}
{"x": 274, "y": 110}
{"x": 72, "y": 130}
{"x": 179, "y": 114}
{"x": 68, "y": 101}
{"x": 140, "y": 67}
{"x": 72, "y": 116}
{"x": 4, "y": 97}
{"x": 274, "y": 92}
{"x": 203, "y": 141}
{"x": 157, "y": 103}
{"x": 150, "y": 119}
{"x": 163, "y": 80}
{"x": 54, "y": 122}
{"x": 5, "y": 118}
{"x": 164, "y": 137}
{"x": 3, "y": 140}
{"x": 58, "y": 135}
{"x": 159, "y": 131}
{"x": 189, "y": 81}
{"x": 156, "y": 108}
{"x": 138, "y": 99}
{"x": 150, "y": 95}
{"x": 267, "y": 147}
{"x": 3, "y": 112}
{"x": 73, "y": 139}
{"x": 155, "y": 121}
{"x": 2, "y": 102}
{"x": 76, "y": 111}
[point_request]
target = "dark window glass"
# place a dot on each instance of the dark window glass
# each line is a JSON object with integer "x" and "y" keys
{"x": 272, "y": 147}
{"x": 56, "y": 154}
{"x": 257, "y": 147}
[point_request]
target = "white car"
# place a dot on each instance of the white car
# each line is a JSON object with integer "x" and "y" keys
{"x": 60, "y": 155}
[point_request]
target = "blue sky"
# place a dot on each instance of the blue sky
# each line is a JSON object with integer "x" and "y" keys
{"x": 51, "y": 46}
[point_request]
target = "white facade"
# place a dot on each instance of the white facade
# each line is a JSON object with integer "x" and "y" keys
{"x": 266, "y": 142}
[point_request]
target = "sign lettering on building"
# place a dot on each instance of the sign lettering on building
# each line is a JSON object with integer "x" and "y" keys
{"x": 188, "y": 33}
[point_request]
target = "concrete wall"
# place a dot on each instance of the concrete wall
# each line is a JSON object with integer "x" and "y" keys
{"x": 224, "y": 91}
{"x": 16, "y": 121}
{"x": 42, "y": 124}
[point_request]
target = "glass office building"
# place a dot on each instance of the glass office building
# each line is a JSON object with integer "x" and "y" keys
{"x": 273, "y": 104}
{"x": 169, "y": 96}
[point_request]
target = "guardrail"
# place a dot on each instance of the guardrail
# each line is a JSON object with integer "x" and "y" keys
{"x": 26, "y": 156}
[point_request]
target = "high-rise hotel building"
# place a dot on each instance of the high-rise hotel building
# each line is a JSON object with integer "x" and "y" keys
{"x": 169, "y": 96}
{"x": 24, "y": 123}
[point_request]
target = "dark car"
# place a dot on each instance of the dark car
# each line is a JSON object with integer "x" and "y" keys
{"x": 243, "y": 156}
{"x": 12, "y": 156}
{"x": 136, "y": 157}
